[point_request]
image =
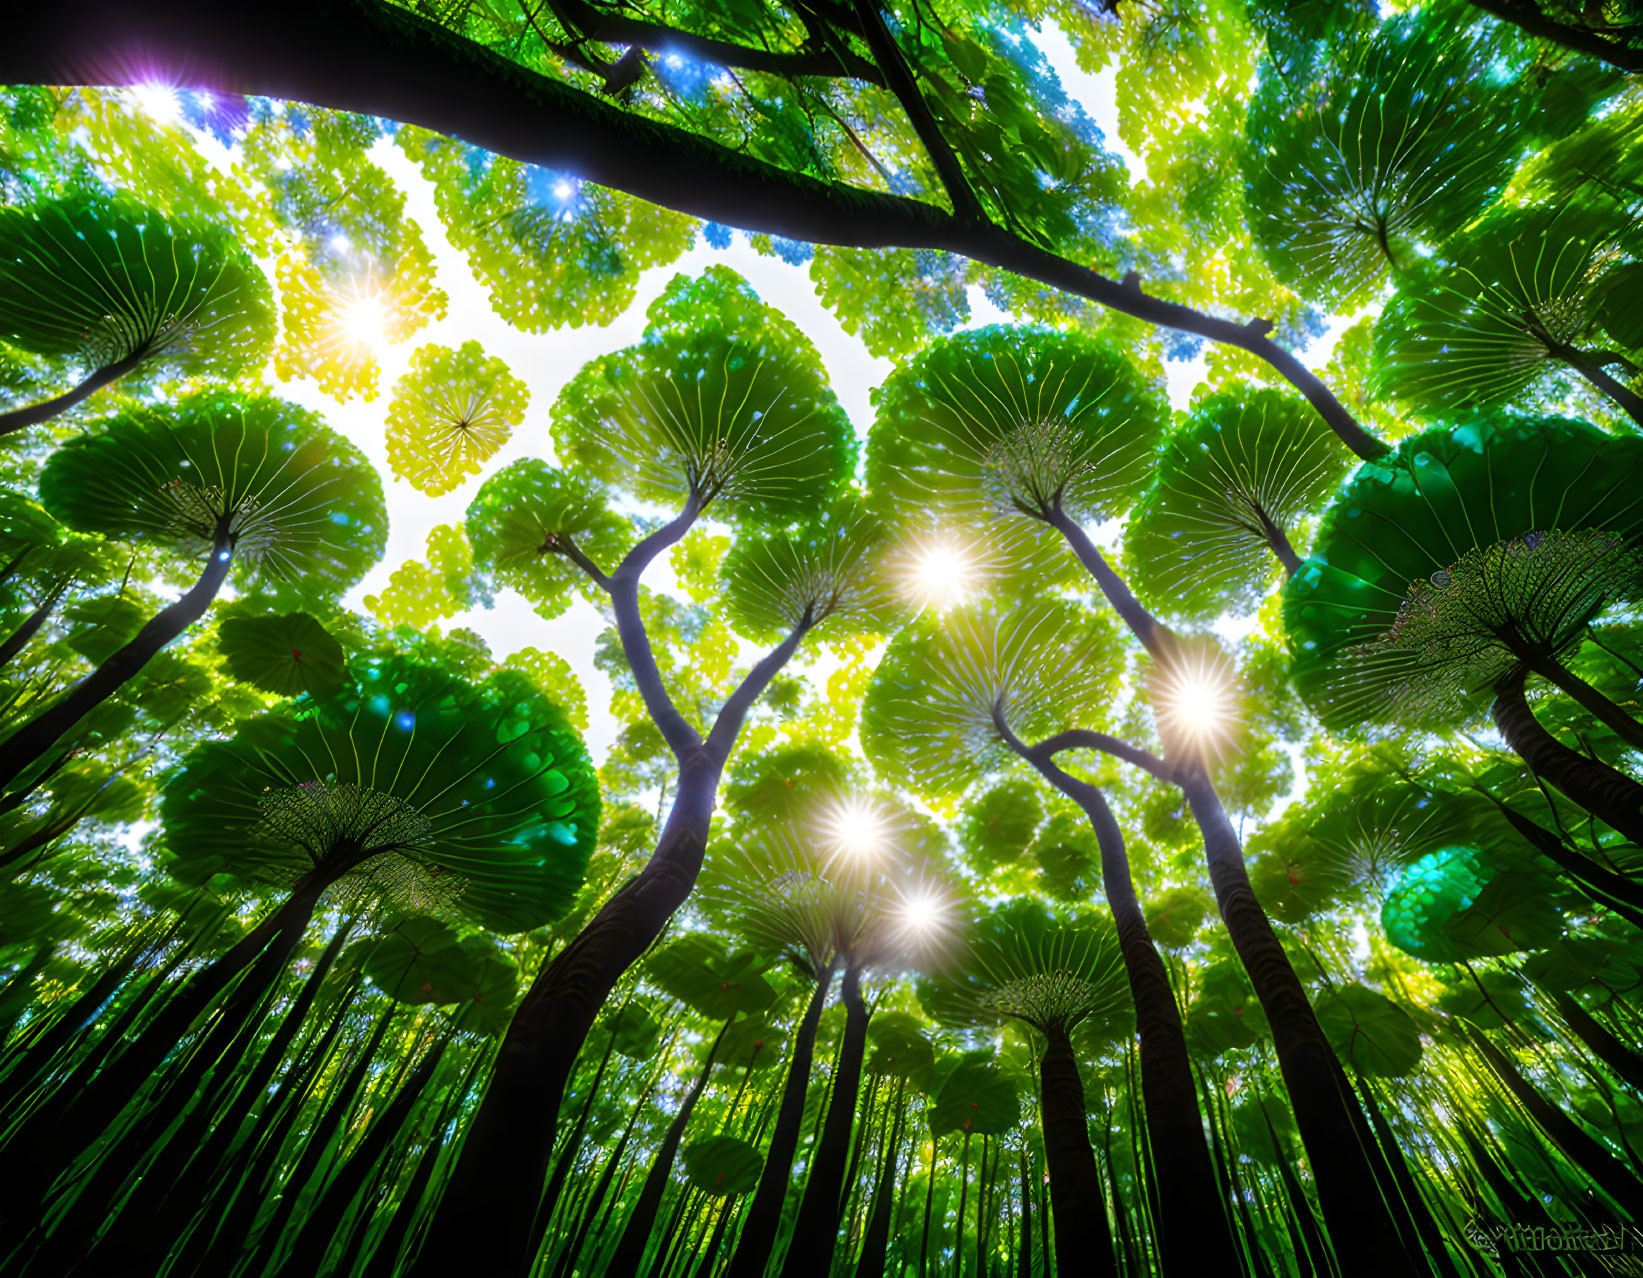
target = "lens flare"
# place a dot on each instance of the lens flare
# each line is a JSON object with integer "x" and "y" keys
{"x": 854, "y": 830}
{"x": 1195, "y": 700}
{"x": 363, "y": 320}
{"x": 938, "y": 572}
{"x": 158, "y": 101}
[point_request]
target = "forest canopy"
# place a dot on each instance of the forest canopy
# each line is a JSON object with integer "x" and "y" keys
{"x": 811, "y": 637}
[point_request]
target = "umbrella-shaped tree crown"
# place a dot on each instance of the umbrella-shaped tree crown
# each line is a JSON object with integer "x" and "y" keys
{"x": 414, "y": 785}
{"x": 300, "y": 506}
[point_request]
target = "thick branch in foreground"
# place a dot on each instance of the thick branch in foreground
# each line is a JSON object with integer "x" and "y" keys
{"x": 359, "y": 55}
{"x": 593, "y": 23}
{"x": 1528, "y": 16}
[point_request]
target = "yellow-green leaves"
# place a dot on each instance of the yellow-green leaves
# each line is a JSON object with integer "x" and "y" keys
{"x": 449, "y": 415}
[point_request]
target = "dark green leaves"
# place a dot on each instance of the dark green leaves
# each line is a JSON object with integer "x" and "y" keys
{"x": 412, "y": 784}
{"x": 1369, "y": 1032}
{"x": 1433, "y": 570}
{"x": 722, "y": 1166}
{"x": 301, "y": 505}
{"x": 107, "y": 280}
{"x": 287, "y": 655}
{"x": 978, "y": 1099}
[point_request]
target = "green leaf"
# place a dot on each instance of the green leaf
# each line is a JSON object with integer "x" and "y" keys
{"x": 722, "y": 1166}
{"x": 1369, "y": 1032}
{"x": 979, "y": 1098}
{"x": 287, "y": 654}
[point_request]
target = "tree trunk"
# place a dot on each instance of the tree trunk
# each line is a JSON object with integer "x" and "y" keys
{"x": 764, "y": 1214}
{"x": 1610, "y": 796}
{"x": 324, "y": 1218}
{"x": 18, "y": 639}
{"x": 1587, "y": 697}
{"x": 51, "y": 1139}
{"x": 170, "y": 1190}
{"x": 1361, "y": 1228}
{"x": 630, "y": 1250}
{"x": 1083, "y": 1240}
{"x": 1627, "y": 1064}
{"x": 33, "y": 414}
{"x": 876, "y": 1242}
{"x": 35, "y": 738}
{"x": 816, "y": 1231}
{"x": 1193, "y": 1235}
{"x": 1606, "y": 1171}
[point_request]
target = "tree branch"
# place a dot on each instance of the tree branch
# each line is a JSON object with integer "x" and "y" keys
{"x": 564, "y": 544}
{"x": 1155, "y": 637}
{"x": 898, "y": 78}
{"x": 1530, "y": 18}
{"x": 733, "y": 713}
{"x": 594, "y": 23}
{"x": 623, "y": 587}
{"x": 1084, "y": 739}
{"x": 388, "y": 61}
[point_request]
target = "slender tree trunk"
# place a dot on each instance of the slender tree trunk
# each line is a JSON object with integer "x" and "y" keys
{"x": 1194, "y": 1236}
{"x": 33, "y": 414}
{"x": 18, "y": 639}
{"x": 764, "y": 1214}
{"x": 876, "y": 1242}
{"x": 1024, "y": 1249}
{"x": 320, "y": 1226}
{"x": 171, "y": 1189}
{"x": 314, "y": 1148}
{"x": 1606, "y": 1171}
{"x": 35, "y": 738}
{"x": 1610, "y": 796}
{"x": 816, "y": 1231}
{"x": 50, "y": 1140}
{"x": 1364, "y": 1236}
{"x": 642, "y": 1220}
{"x": 1083, "y": 1240}
{"x": 1627, "y": 1064}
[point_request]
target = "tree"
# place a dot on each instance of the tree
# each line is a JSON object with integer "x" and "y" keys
{"x": 254, "y": 485}
{"x": 119, "y": 287}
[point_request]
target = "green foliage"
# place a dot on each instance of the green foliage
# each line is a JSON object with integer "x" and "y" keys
{"x": 1245, "y": 469}
{"x": 449, "y": 415}
{"x": 724, "y": 400}
{"x": 520, "y": 521}
{"x": 1022, "y": 962}
{"x": 722, "y": 1166}
{"x": 106, "y": 280}
{"x": 287, "y": 655}
{"x": 1369, "y": 1032}
{"x": 412, "y": 786}
{"x": 1002, "y": 422}
{"x": 301, "y": 507}
{"x": 978, "y": 1099}
{"x": 1459, "y": 903}
{"x": 928, "y": 713}
{"x": 1429, "y": 567}
{"x": 1367, "y": 149}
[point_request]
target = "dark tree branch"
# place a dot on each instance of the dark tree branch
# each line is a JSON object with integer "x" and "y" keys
{"x": 623, "y": 588}
{"x": 1083, "y": 739}
{"x": 564, "y": 544}
{"x": 33, "y": 414}
{"x": 899, "y": 80}
{"x": 597, "y": 24}
{"x": 390, "y": 62}
{"x": 1529, "y": 16}
{"x": 1277, "y": 541}
{"x": 1154, "y": 636}
{"x": 729, "y": 722}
